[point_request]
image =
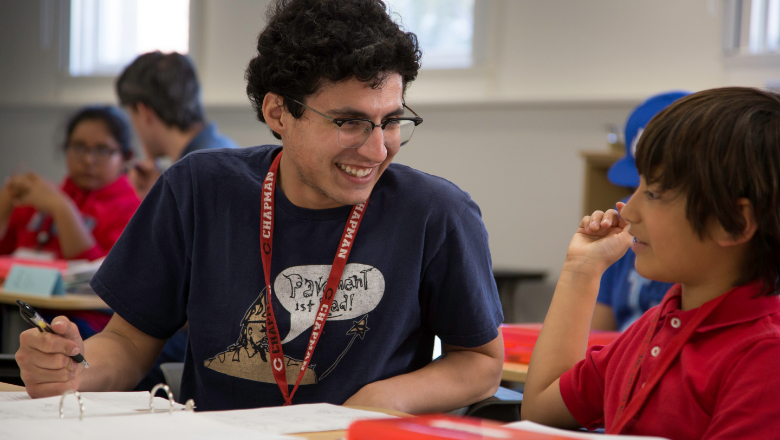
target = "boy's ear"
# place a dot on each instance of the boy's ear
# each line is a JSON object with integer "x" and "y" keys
{"x": 273, "y": 110}
{"x": 725, "y": 239}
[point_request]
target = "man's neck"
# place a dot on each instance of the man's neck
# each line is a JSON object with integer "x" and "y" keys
{"x": 175, "y": 140}
{"x": 298, "y": 192}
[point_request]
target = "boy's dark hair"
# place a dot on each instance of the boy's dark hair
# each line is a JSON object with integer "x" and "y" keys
{"x": 115, "y": 121}
{"x": 307, "y": 42}
{"x": 716, "y": 147}
{"x": 167, "y": 84}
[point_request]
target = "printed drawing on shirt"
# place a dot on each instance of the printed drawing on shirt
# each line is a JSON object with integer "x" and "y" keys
{"x": 299, "y": 290}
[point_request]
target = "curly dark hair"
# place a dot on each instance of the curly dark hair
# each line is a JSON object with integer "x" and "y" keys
{"x": 115, "y": 121}
{"x": 715, "y": 147}
{"x": 166, "y": 83}
{"x": 307, "y": 42}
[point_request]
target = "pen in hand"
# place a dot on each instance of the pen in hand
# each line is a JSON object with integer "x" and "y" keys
{"x": 33, "y": 318}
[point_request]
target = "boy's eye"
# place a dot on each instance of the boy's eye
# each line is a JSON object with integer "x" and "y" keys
{"x": 651, "y": 195}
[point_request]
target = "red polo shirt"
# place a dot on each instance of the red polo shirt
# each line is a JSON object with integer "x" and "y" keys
{"x": 724, "y": 384}
{"x": 105, "y": 212}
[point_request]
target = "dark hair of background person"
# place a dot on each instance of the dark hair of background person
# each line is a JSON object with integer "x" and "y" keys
{"x": 115, "y": 121}
{"x": 308, "y": 42}
{"x": 716, "y": 147}
{"x": 167, "y": 83}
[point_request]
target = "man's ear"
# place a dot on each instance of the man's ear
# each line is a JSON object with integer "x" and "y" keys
{"x": 146, "y": 114}
{"x": 273, "y": 110}
{"x": 725, "y": 239}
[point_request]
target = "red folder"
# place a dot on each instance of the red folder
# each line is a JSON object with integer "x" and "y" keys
{"x": 519, "y": 340}
{"x": 435, "y": 427}
{"x": 6, "y": 263}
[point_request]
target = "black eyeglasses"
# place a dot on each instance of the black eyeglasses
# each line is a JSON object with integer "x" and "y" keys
{"x": 100, "y": 153}
{"x": 353, "y": 132}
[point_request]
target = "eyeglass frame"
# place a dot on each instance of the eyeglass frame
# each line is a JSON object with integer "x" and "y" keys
{"x": 417, "y": 120}
{"x": 81, "y": 151}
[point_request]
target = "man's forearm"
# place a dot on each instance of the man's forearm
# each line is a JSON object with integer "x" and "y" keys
{"x": 458, "y": 379}
{"x": 118, "y": 358}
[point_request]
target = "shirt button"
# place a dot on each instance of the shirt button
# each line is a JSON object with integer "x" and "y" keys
{"x": 676, "y": 322}
{"x": 654, "y": 352}
{"x": 643, "y": 384}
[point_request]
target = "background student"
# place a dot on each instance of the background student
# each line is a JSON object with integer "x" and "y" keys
{"x": 162, "y": 95}
{"x": 624, "y": 295}
{"x": 706, "y": 215}
{"x": 84, "y": 216}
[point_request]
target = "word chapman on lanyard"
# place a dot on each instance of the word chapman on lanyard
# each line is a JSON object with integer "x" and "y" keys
{"x": 336, "y": 271}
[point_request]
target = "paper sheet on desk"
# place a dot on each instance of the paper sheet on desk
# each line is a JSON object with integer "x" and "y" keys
{"x": 184, "y": 425}
{"x": 535, "y": 427}
{"x": 294, "y": 419}
{"x": 18, "y": 405}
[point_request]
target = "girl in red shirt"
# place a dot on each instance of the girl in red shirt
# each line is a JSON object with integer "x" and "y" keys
{"x": 84, "y": 216}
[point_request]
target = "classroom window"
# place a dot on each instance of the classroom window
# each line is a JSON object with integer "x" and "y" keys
{"x": 445, "y": 29}
{"x": 752, "y": 27}
{"x": 106, "y": 35}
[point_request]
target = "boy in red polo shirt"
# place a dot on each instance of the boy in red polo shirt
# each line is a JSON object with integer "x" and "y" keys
{"x": 706, "y": 215}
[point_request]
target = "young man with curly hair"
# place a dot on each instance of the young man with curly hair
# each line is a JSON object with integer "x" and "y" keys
{"x": 313, "y": 272}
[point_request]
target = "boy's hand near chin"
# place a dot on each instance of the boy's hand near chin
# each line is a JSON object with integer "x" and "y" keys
{"x": 601, "y": 239}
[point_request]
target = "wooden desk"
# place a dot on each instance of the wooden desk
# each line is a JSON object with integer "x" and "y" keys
{"x": 13, "y": 324}
{"x": 325, "y": 435}
{"x": 599, "y": 192}
{"x": 8, "y": 387}
{"x": 507, "y": 282}
{"x": 69, "y": 301}
{"x": 514, "y": 372}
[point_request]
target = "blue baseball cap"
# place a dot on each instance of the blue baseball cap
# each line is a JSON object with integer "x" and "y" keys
{"x": 623, "y": 172}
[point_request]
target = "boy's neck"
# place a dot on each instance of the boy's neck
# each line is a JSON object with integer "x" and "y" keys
{"x": 713, "y": 286}
{"x": 717, "y": 276}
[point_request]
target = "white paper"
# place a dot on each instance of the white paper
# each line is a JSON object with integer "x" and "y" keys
{"x": 11, "y": 396}
{"x": 535, "y": 427}
{"x": 16, "y": 405}
{"x": 180, "y": 425}
{"x": 295, "y": 418}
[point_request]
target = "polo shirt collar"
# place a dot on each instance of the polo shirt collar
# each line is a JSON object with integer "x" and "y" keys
{"x": 742, "y": 304}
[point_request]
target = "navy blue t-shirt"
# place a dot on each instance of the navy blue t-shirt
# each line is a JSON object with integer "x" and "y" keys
{"x": 420, "y": 266}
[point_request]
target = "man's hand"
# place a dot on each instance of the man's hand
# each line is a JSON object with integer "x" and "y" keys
{"x": 43, "y": 358}
{"x": 32, "y": 189}
{"x": 142, "y": 176}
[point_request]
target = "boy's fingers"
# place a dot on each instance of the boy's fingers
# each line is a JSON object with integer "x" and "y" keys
{"x": 595, "y": 220}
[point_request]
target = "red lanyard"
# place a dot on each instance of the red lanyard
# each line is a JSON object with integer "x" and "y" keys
{"x": 339, "y": 263}
{"x": 627, "y": 410}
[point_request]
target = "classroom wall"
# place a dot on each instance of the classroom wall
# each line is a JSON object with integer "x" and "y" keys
{"x": 509, "y": 132}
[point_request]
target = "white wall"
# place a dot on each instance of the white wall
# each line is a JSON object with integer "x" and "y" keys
{"x": 508, "y": 132}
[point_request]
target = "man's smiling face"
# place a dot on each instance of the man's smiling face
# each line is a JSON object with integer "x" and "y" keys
{"x": 316, "y": 172}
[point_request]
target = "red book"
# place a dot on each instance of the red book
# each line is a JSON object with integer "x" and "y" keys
{"x": 519, "y": 340}
{"x": 439, "y": 427}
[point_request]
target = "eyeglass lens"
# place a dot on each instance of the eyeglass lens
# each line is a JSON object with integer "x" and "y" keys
{"x": 353, "y": 134}
{"x": 101, "y": 152}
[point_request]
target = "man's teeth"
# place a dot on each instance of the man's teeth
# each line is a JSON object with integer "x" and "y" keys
{"x": 355, "y": 171}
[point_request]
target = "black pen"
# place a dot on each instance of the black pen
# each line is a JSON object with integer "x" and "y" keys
{"x": 33, "y": 318}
